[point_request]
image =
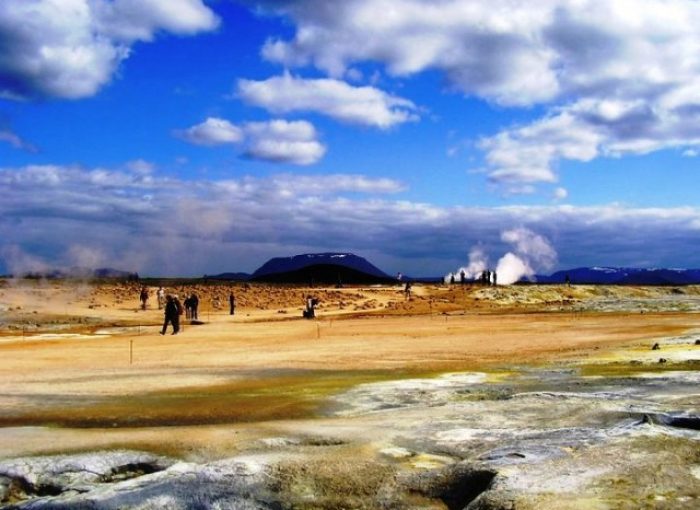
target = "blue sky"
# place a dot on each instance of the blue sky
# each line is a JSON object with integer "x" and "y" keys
{"x": 184, "y": 137}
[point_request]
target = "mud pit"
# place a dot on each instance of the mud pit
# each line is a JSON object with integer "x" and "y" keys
{"x": 519, "y": 397}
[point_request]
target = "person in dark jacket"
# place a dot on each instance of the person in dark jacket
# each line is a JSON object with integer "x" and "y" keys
{"x": 194, "y": 304}
{"x": 172, "y": 315}
{"x": 143, "y": 296}
{"x": 188, "y": 308}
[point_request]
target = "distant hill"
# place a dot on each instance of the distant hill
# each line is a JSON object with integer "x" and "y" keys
{"x": 326, "y": 268}
{"x": 624, "y": 276}
{"x": 81, "y": 272}
{"x": 231, "y": 277}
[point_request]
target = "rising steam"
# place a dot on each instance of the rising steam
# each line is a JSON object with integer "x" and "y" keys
{"x": 478, "y": 262}
{"x": 530, "y": 252}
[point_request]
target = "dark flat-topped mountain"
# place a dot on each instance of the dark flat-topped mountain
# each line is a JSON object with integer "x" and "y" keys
{"x": 331, "y": 268}
{"x": 624, "y": 276}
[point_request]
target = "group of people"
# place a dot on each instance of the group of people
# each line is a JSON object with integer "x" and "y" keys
{"x": 174, "y": 308}
{"x": 191, "y": 306}
{"x": 487, "y": 277}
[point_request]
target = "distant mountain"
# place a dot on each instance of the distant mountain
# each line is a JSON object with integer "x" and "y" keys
{"x": 81, "y": 272}
{"x": 331, "y": 268}
{"x": 108, "y": 272}
{"x": 232, "y": 277}
{"x": 624, "y": 276}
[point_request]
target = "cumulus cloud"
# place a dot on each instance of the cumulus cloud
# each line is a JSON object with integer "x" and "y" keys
{"x": 281, "y": 141}
{"x": 72, "y": 48}
{"x": 146, "y": 222}
{"x": 277, "y": 141}
{"x": 583, "y": 131}
{"x": 614, "y": 78}
{"x": 363, "y": 105}
{"x": 213, "y": 131}
{"x": 489, "y": 49}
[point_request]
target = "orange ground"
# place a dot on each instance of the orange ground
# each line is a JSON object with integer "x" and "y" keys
{"x": 265, "y": 362}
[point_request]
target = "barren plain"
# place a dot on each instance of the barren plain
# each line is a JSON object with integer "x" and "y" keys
{"x": 461, "y": 397}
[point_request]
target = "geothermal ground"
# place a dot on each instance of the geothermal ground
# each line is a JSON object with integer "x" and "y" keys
{"x": 463, "y": 397}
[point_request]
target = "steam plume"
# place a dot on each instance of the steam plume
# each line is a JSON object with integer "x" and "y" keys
{"x": 532, "y": 252}
{"x": 529, "y": 253}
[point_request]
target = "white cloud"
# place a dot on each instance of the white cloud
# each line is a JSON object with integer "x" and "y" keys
{"x": 136, "y": 222}
{"x": 614, "y": 78}
{"x": 18, "y": 143}
{"x": 583, "y": 131}
{"x": 213, "y": 131}
{"x": 141, "y": 166}
{"x": 526, "y": 154}
{"x": 72, "y": 48}
{"x": 277, "y": 141}
{"x": 365, "y": 105}
{"x": 284, "y": 142}
{"x": 335, "y": 183}
{"x": 133, "y": 20}
{"x": 488, "y": 49}
{"x": 560, "y": 194}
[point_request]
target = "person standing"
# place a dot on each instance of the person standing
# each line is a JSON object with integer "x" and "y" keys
{"x": 232, "y": 303}
{"x": 160, "y": 294}
{"x": 188, "y": 307}
{"x": 194, "y": 304}
{"x": 172, "y": 315}
{"x": 310, "y": 312}
{"x": 143, "y": 297}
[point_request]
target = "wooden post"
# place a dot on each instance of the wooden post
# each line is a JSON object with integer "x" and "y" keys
{"x": 131, "y": 352}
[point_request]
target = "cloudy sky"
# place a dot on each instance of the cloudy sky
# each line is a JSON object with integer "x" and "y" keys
{"x": 184, "y": 137}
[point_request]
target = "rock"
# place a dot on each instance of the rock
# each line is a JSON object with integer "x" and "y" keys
{"x": 234, "y": 483}
{"x": 396, "y": 452}
{"x": 677, "y": 420}
{"x": 37, "y": 477}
